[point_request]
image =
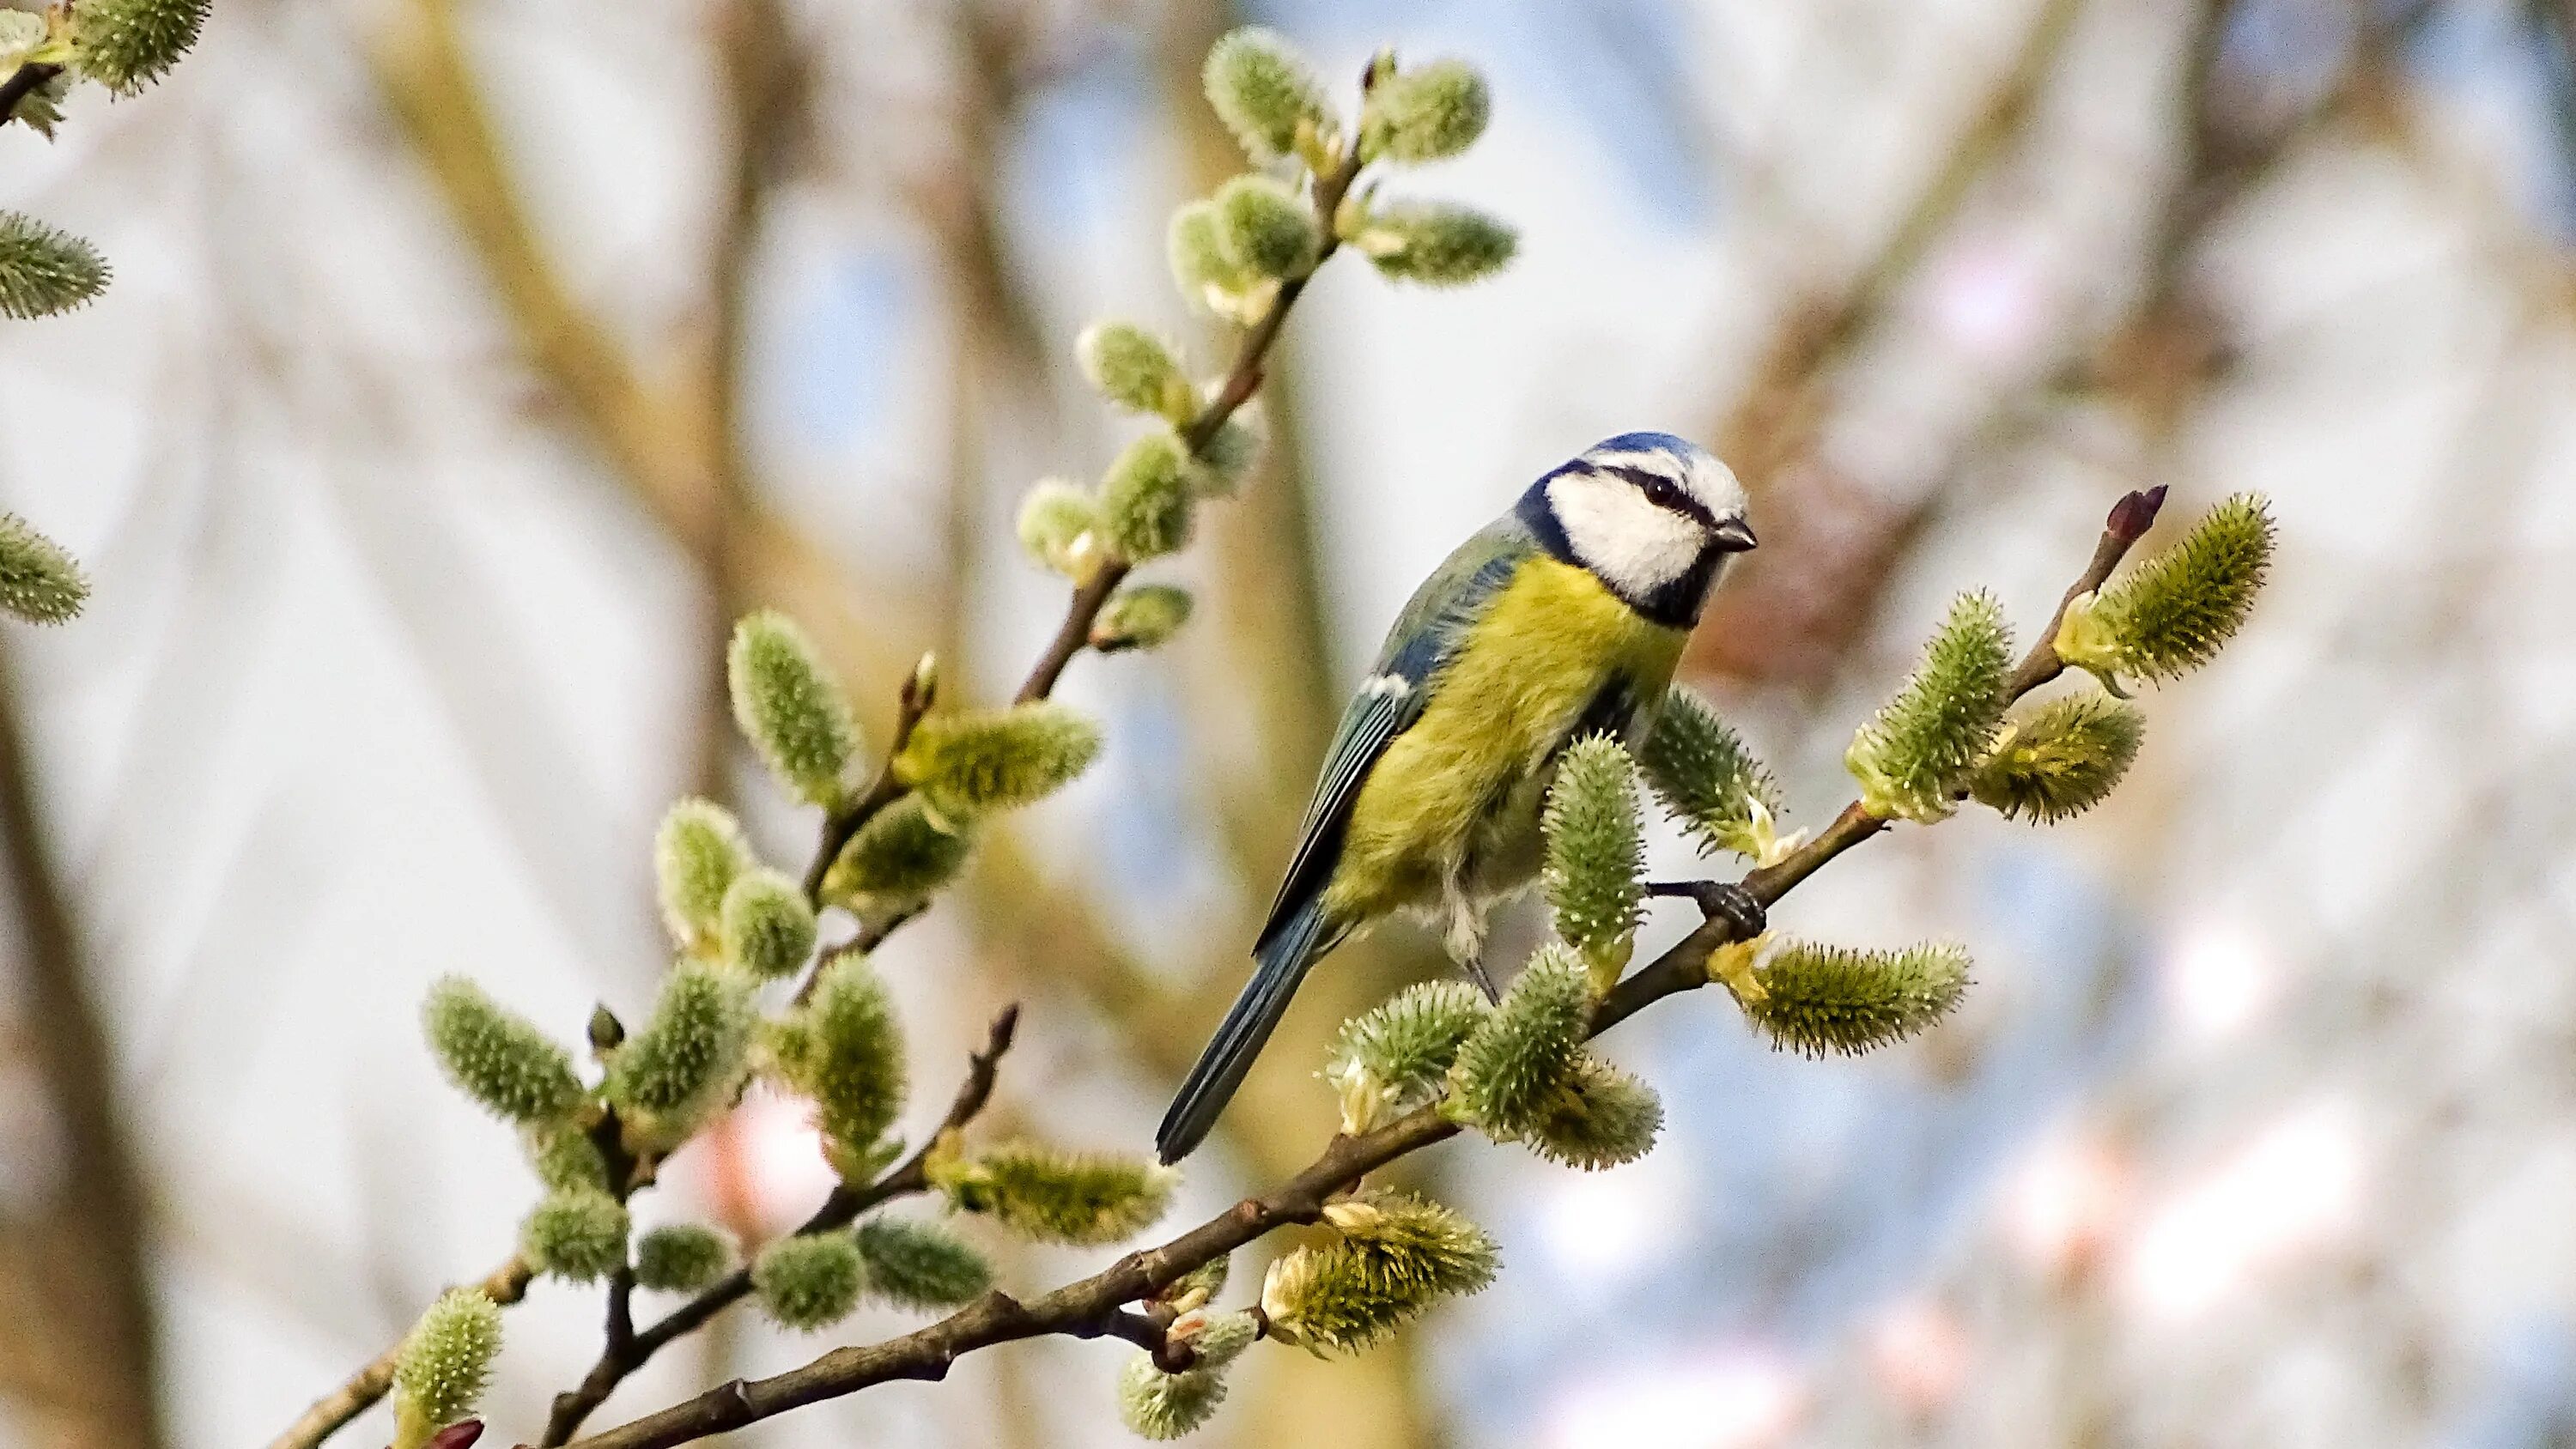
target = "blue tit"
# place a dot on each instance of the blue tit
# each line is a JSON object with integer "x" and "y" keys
{"x": 1560, "y": 619}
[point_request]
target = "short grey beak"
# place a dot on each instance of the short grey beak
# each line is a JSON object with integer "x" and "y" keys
{"x": 1733, "y": 535}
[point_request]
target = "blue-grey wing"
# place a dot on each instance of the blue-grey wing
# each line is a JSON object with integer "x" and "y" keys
{"x": 1422, "y": 641}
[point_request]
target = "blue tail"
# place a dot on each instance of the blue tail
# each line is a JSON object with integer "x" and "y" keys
{"x": 1281, "y": 960}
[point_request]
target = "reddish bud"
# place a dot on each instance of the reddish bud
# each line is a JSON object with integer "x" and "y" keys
{"x": 458, "y": 1435}
{"x": 2135, "y": 513}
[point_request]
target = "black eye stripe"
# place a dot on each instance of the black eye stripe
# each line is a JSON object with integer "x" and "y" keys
{"x": 1664, "y": 493}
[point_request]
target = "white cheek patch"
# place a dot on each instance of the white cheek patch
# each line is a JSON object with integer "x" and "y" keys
{"x": 1634, "y": 546}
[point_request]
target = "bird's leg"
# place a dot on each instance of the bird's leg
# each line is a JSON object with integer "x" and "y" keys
{"x": 1484, "y": 979}
{"x": 1719, "y": 900}
{"x": 1465, "y": 938}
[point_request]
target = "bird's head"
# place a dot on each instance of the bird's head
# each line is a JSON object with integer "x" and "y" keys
{"x": 1653, "y": 516}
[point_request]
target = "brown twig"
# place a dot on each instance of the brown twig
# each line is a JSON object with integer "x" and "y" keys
{"x": 504, "y": 1285}
{"x": 630, "y": 1349}
{"x": 1096, "y": 1306}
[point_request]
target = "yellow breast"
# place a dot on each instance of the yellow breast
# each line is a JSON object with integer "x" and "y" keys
{"x": 1548, "y": 645}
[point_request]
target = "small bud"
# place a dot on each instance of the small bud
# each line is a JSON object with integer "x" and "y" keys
{"x": 1261, "y": 88}
{"x": 2135, "y": 513}
{"x": 1814, "y": 999}
{"x": 2170, "y": 615}
{"x": 1397, "y": 1056}
{"x": 1137, "y": 371}
{"x": 698, "y": 853}
{"x": 1080, "y": 1199}
{"x": 1229, "y": 455}
{"x": 459, "y": 1435}
{"x": 919, "y": 1266}
{"x": 1434, "y": 243}
{"x": 2061, "y": 761}
{"x": 788, "y": 707}
{"x": 1704, "y": 775}
{"x": 970, "y": 763}
{"x": 1145, "y": 499}
{"x": 809, "y": 1282}
{"x": 1156, "y": 1405}
{"x": 1916, "y": 752}
{"x": 1397, "y": 1255}
{"x": 579, "y": 1236}
{"x": 1056, "y": 528}
{"x": 681, "y": 1258}
{"x": 605, "y": 1031}
{"x": 1596, "y": 856}
{"x": 844, "y": 1050}
{"x": 495, "y": 1056}
{"x": 1143, "y": 616}
{"x": 1264, "y": 228}
{"x": 1193, "y": 1289}
{"x": 896, "y": 860}
{"x": 1207, "y": 277}
{"x": 1511, "y": 1065}
{"x": 1430, "y": 114}
{"x": 767, "y": 926}
{"x": 444, "y": 1365}
{"x": 1602, "y": 1117}
{"x": 44, "y": 271}
{"x": 126, "y": 45}
{"x": 687, "y": 1060}
{"x": 565, "y": 1158}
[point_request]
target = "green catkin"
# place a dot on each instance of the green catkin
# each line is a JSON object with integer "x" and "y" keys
{"x": 1145, "y": 499}
{"x": 681, "y": 1258}
{"x": 39, "y": 582}
{"x": 687, "y": 1060}
{"x": 496, "y": 1057}
{"x": 1396, "y": 1056}
{"x": 1207, "y": 278}
{"x": 126, "y": 45}
{"x": 1143, "y": 616}
{"x": 1264, "y": 228}
{"x": 1261, "y": 87}
{"x": 1156, "y": 1405}
{"x": 1602, "y": 1117}
{"x": 968, "y": 763}
{"x": 44, "y": 271}
{"x": 1429, "y": 114}
{"x": 1397, "y": 1255}
{"x": 896, "y": 860}
{"x": 1136, "y": 370}
{"x": 2171, "y": 614}
{"x": 843, "y": 1050}
{"x": 1701, "y": 771}
{"x": 1055, "y": 527}
{"x": 566, "y": 1158}
{"x": 698, "y": 853}
{"x": 1196, "y": 1287}
{"x": 1814, "y": 999}
{"x": 444, "y": 1365}
{"x": 809, "y": 1282}
{"x": 1435, "y": 244}
{"x": 917, "y": 1266}
{"x": 790, "y": 709}
{"x": 1916, "y": 752}
{"x": 1080, "y": 1199}
{"x": 2062, "y": 761}
{"x": 1596, "y": 855}
{"x": 768, "y": 929}
{"x": 579, "y": 1236}
{"x": 1511, "y": 1066}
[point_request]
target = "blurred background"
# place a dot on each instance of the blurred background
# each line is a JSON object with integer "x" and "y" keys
{"x": 470, "y": 365}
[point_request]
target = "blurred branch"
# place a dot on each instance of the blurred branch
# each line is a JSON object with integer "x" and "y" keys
{"x": 1095, "y": 1306}
{"x": 23, "y": 82}
{"x": 99, "y": 1292}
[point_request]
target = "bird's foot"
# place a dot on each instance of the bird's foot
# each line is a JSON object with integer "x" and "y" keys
{"x": 1737, "y": 907}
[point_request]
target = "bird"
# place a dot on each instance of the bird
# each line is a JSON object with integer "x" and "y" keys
{"x": 1562, "y": 618}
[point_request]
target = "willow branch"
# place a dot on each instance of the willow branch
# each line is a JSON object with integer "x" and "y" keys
{"x": 23, "y": 82}
{"x": 1095, "y": 1306}
{"x": 504, "y": 1285}
{"x": 631, "y": 1349}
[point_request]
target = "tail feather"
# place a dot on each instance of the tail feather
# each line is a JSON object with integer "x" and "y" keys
{"x": 1281, "y": 960}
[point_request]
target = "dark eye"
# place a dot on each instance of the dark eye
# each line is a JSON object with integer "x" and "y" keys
{"x": 1660, "y": 493}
